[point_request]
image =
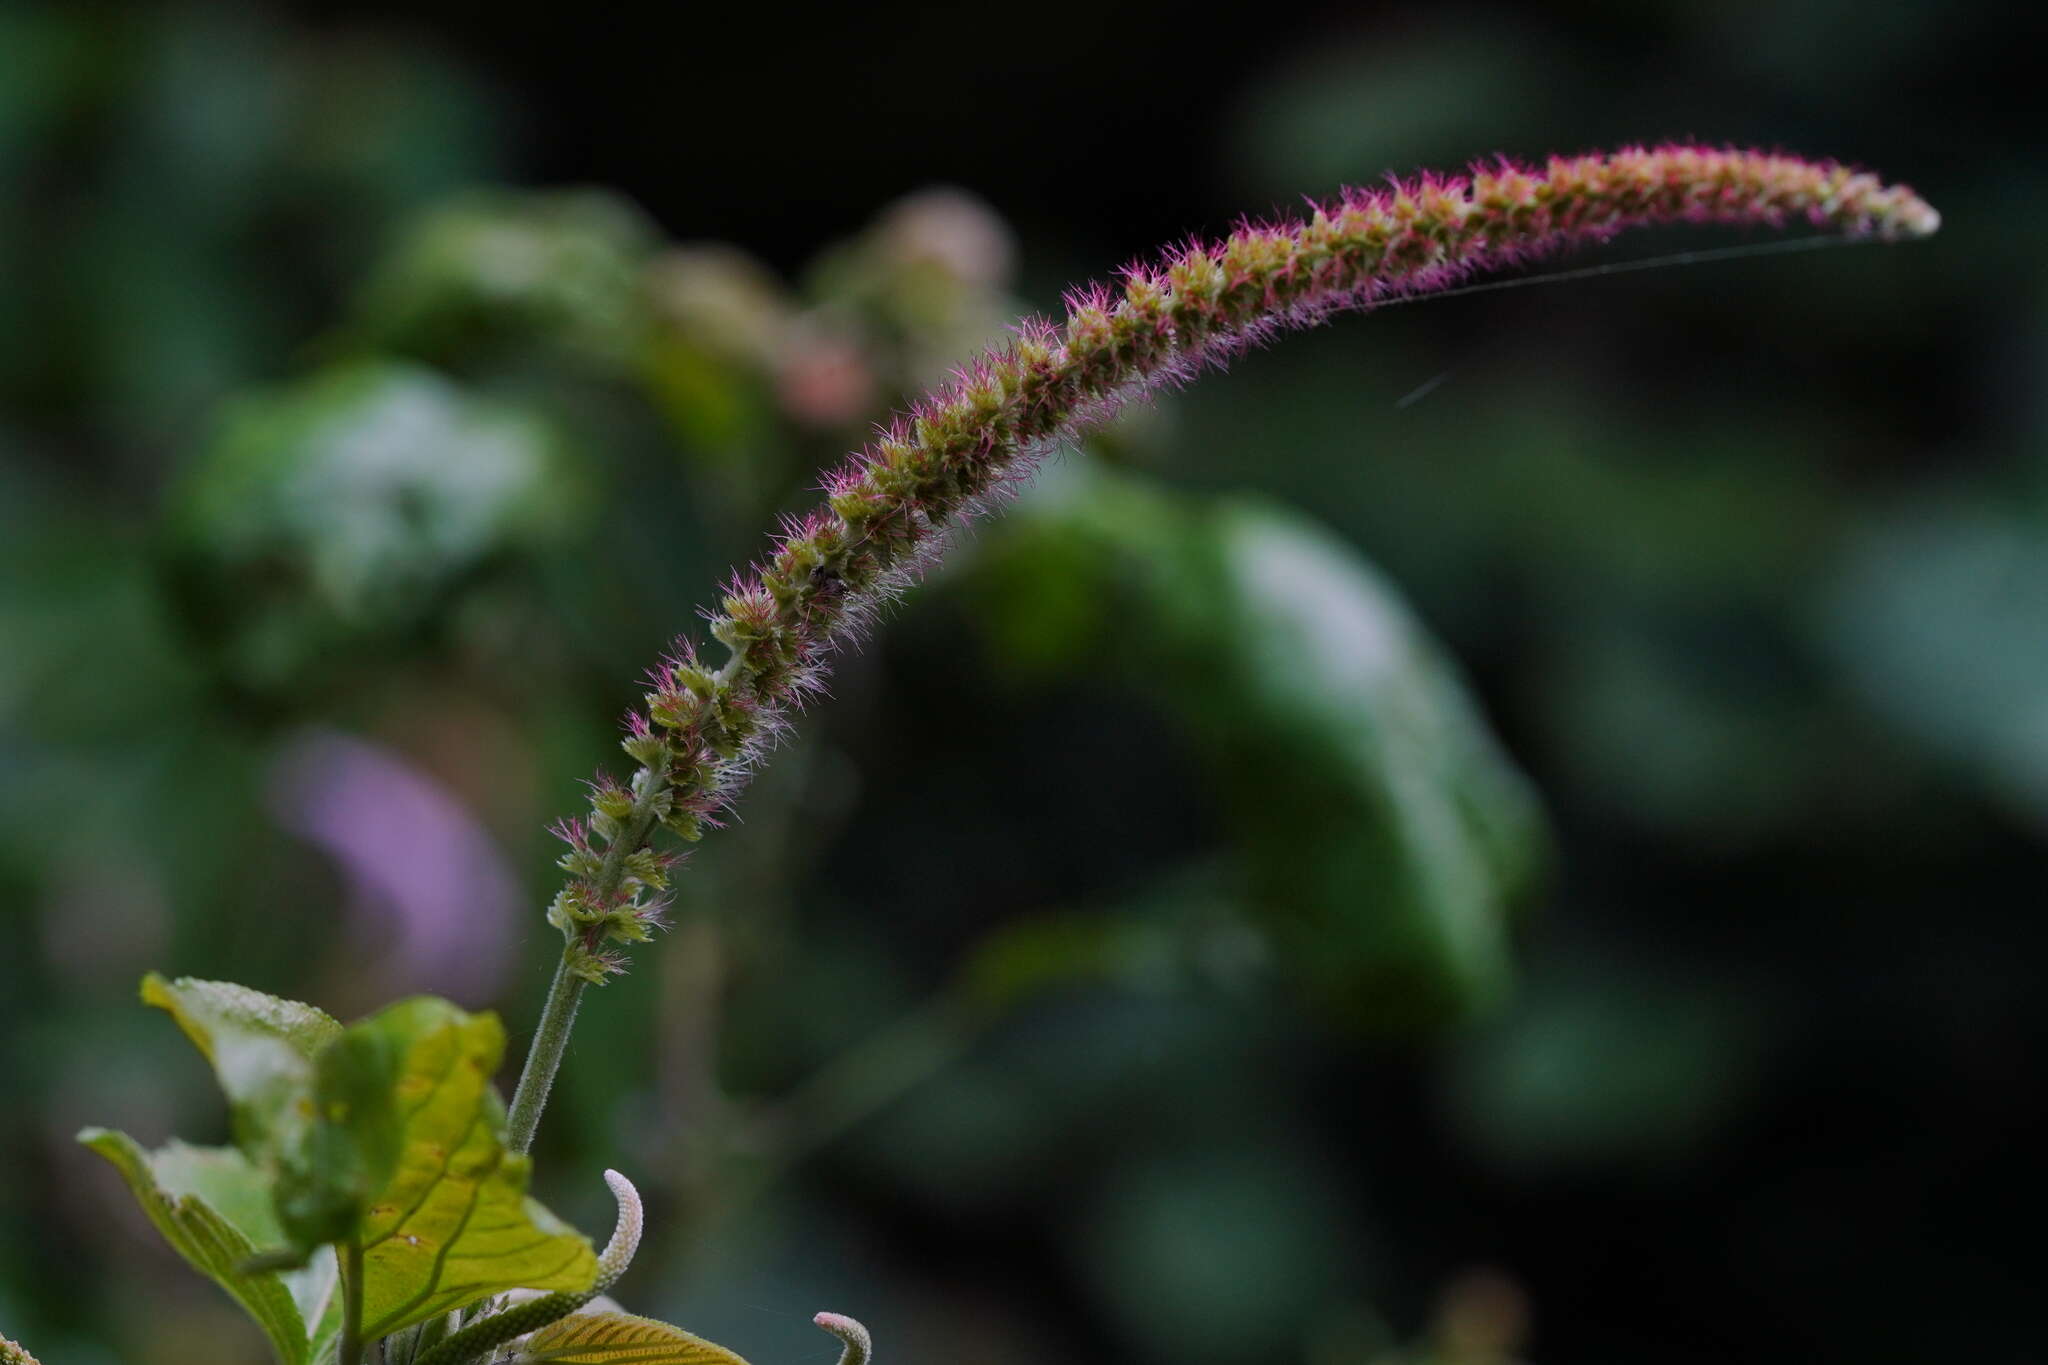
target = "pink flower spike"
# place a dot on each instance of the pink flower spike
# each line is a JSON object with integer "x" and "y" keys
{"x": 957, "y": 451}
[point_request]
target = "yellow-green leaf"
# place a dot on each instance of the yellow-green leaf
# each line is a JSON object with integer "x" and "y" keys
{"x": 411, "y": 1136}
{"x": 212, "y": 1205}
{"x": 261, "y": 1048}
{"x": 217, "y": 1013}
{"x": 263, "y": 1051}
{"x": 619, "y": 1339}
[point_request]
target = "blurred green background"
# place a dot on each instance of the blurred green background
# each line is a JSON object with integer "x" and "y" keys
{"x": 1153, "y": 950}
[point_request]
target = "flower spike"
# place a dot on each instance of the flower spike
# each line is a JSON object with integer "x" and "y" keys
{"x": 888, "y": 507}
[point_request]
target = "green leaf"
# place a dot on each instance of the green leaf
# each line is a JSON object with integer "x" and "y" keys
{"x": 213, "y": 1206}
{"x": 1031, "y": 955}
{"x": 1400, "y": 836}
{"x": 387, "y": 1133}
{"x": 1385, "y": 838}
{"x": 262, "y": 1051}
{"x": 409, "y": 1144}
{"x": 214, "y": 1014}
{"x": 619, "y": 1339}
{"x": 327, "y": 518}
{"x": 486, "y": 274}
{"x": 1940, "y": 622}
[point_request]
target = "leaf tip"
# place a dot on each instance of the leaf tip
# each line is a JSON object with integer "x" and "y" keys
{"x": 155, "y": 990}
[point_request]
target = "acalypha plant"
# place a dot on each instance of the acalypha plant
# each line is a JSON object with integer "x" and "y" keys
{"x": 373, "y": 1204}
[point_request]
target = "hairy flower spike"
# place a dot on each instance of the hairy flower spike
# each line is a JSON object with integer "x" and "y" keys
{"x": 887, "y": 507}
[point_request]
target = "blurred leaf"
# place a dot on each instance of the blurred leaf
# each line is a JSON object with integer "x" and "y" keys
{"x": 1401, "y": 831}
{"x": 718, "y": 408}
{"x": 1699, "y": 723}
{"x": 1181, "y": 930}
{"x": 497, "y": 269}
{"x": 1940, "y": 621}
{"x": 723, "y": 300}
{"x": 386, "y": 125}
{"x": 410, "y": 1137}
{"x": 922, "y": 285}
{"x": 1219, "y": 1253}
{"x": 1386, "y": 836}
{"x": 1026, "y": 957}
{"x": 617, "y": 1339}
{"x": 213, "y": 1206}
{"x": 1349, "y": 110}
{"x": 1595, "y": 1072}
{"x": 347, "y": 508}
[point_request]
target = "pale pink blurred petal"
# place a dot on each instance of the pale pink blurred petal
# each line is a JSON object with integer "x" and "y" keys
{"x": 432, "y": 899}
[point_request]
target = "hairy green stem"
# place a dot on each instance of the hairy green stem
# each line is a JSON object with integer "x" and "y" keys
{"x": 544, "y": 1056}
{"x": 558, "y": 1015}
{"x": 351, "y": 1350}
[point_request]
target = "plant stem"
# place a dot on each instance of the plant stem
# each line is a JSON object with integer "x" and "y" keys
{"x": 351, "y": 1351}
{"x": 544, "y": 1056}
{"x": 558, "y": 1015}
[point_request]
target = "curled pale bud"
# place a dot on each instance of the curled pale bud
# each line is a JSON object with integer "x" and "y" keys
{"x": 859, "y": 1346}
{"x": 618, "y": 1252}
{"x": 523, "y": 1312}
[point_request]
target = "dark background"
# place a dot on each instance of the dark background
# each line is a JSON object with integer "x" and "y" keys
{"x": 1746, "y": 563}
